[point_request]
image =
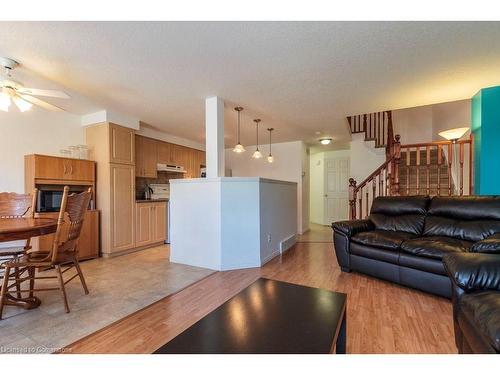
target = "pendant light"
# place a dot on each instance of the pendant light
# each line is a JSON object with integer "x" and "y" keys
{"x": 239, "y": 147}
{"x": 257, "y": 154}
{"x": 270, "y": 158}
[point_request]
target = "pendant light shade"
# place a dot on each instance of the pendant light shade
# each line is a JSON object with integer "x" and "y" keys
{"x": 239, "y": 147}
{"x": 270, "y": 157}
{"x": 257, "y": 154}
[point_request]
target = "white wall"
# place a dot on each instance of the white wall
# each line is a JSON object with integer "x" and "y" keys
{"x": 290, "y": 162}
{"x": 225, "y": 223}
{"x": 422, "y": 124}
{"x": 36, "y": 131}
{"x": 450, "y": 115}
{"x": 365, "y": 158}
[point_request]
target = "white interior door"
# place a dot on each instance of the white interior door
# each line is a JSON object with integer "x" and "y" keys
{"x": 336, "y": 189}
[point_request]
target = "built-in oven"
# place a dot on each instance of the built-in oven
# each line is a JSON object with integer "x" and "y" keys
{"x": 50, "y": 197}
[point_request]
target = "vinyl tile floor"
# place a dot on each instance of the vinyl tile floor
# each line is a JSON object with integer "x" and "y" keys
{"x": 118, "y": 287}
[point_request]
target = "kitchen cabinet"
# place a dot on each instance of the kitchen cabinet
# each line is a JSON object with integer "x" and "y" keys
{"x": 50, "y": 168}
{"x": 151, "y": 223}
{"x": 146, "y": 157}
{"x": 122, "y": 204}
{"x": 143, "y": 224}
{"x": 113, "y": 149}
{"x": 150, "y": 152}
{"x": 122, "y": 145}
{"x": 88, "y": 243}
{"x": 159, "y": 223}
{"x": 165, "y": 152}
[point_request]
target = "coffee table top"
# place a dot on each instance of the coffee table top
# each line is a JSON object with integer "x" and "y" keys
{"x": 267, "y": 317}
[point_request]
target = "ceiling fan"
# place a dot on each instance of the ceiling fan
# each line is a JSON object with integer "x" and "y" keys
{"x": 24, "y": 98}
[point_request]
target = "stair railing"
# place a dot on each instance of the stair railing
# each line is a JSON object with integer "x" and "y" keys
{"x": 384, "y": 181}
{"x": 377, "y": 127}
{"x": 454, "y": 159}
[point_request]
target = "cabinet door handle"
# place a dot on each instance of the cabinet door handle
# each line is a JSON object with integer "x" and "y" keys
{"x": 65, "y": 168}
{"x": 71, "y": 169}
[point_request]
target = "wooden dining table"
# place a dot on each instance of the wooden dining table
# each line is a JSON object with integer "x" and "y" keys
{"x": 14, "y": 229}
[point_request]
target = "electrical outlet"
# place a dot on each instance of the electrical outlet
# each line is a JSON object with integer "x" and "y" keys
{"x": 268, "y": 238}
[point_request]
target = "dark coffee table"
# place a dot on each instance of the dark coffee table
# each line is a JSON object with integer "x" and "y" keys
{"x": 269, "y": 317}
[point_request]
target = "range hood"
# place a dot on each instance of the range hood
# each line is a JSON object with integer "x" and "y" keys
{"x": 170, "y": 168}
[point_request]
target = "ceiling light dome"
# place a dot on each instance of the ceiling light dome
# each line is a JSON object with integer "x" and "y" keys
{"x": 325, "y": 141}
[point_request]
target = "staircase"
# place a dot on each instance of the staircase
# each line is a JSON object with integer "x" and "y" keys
{"x": 429, "y": 177}
{"x": 411, "y": 169}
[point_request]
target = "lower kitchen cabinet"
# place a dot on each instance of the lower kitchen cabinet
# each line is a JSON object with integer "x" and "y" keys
{"x": 150, "y": 223}
{"x": 88, "y": 243}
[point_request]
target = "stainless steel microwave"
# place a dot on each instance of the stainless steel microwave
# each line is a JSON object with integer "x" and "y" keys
{"x": 49, "y": 198}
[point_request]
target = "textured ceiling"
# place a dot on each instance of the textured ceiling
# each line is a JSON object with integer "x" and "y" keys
{"x": 299, "y": 77}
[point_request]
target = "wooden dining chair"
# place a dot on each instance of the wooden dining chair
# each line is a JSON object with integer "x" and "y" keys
{"x": 14, "y": 205}
{"x": 64, "y": 251}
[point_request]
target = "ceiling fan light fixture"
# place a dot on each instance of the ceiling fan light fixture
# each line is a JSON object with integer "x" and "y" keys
{"x": 5, "y": 102}
{"x": 22, "y": 104}
{"x": 325, "y": 141}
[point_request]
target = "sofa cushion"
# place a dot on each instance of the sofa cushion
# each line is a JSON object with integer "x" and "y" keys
{"x": 421, "y": 263}
{"x": 390, "y": 240}
{"x": 403, "y": 214}
{"x": 471, "y": 218}
{"x": 483, "y": 311}
{"x": 434, "y": 247}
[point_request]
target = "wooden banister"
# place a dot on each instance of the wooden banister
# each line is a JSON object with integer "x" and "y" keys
{"x": 428, "y": 158}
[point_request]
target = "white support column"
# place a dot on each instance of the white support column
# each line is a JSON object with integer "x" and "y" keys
{"x": 214, "y": 135}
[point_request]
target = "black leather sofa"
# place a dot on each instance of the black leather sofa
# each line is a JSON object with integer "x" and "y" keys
{"x": 405, "y": 238}
{"x": 476, "y": 298}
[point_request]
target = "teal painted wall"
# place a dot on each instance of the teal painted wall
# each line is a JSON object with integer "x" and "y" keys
{"x": 485, "y": 125}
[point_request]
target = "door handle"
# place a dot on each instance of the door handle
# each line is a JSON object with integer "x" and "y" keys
{"x": 326, "y": 195}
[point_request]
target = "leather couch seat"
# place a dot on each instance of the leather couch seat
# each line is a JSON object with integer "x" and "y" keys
{"x": 384, "y": 239}
{"x": 434, "y": 247}
{"x": 483, "y": 310}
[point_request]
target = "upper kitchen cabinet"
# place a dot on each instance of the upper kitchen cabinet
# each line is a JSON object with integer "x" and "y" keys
{"x": 122, "y": 142}
{"x": 51, "y": 168}
{"x": 165, "y": 152}
{"x": 146, "y": 150}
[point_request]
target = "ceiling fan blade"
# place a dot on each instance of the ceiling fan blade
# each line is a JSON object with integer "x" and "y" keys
{"x": 41, "y": 103}
{"x": 41, "y": 92}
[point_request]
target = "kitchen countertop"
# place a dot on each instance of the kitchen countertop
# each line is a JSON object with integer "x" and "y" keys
{"x": 151, "y": 200}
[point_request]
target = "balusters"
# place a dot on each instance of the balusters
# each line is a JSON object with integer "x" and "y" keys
{"x": 364, "y": 124}
{"x": 417, "y": 162}
{"x": 450, "y": 161}
{"x": 352, "y": 198}
{"x": 381, "y": 183}
{"x": 428, "y": 169}
{"x": 461, "y": 160}
{"x": 440, "y": 162}
{"x": 408, "y": 163}
{"x": 367, "y": 198}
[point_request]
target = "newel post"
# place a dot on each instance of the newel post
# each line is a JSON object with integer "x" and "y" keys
{"x": 397, "y": 161}
{"x": 352, "y": 199}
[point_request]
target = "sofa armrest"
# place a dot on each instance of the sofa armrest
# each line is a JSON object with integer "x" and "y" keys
{"x": 490, "y": 245}
{"x": 473, "y": 271}
{"x": 351, "y": 227}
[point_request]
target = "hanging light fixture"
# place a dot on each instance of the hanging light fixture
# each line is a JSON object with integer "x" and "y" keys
{"x": 257, "y": 154}
{"x": 239, "y": 147}
{"x": 270, "y": 157}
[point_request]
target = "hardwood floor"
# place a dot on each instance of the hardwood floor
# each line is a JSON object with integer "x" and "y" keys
{"x": 382, "y": 317}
